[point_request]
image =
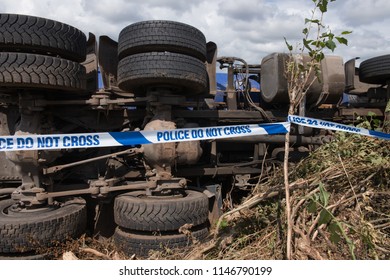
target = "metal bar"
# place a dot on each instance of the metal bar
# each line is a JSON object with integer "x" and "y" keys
{"x": 57, "y": 168}
{"x": 361, "y": 111}
{"x": 294, "y": 139}
{"x": 220, "y": 114}
{"x": 7, "y": 191}
{"x": 231, "y": 98}
{"x": 97, "y": 191}
{"x": 41, "y": 102}
{"x": 44, "y": 196}
{"x": 213, "y": 171}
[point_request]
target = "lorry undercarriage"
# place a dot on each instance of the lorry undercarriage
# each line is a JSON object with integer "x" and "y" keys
{"x": 160, "y": 75}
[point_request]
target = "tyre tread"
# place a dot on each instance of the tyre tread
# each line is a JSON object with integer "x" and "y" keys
{"x": 375, "y": 70}
{"x": 132, "y": 243}
{"x": 136, "y": 72}
{"x": 24, "y": 235}
{"x": 42, "y": 36}
{"x": 161, "y": 35}
{"x": 190, "y": 210}
{"x": 25, "y": 70}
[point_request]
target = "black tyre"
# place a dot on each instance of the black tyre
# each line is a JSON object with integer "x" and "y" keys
{"x": 182, "y": 73}
{"x": 22, "y": 70}
{"x": 139, "y": 244}
{"x": 160, "y": 36}
{"x": 375, "y": 70}
{"x": 24, "y": 231}
{"x": 136, "y": 211}
{"x": 21, "y": 33}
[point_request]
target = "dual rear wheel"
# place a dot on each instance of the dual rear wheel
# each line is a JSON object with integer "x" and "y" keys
{"x": 43, "y": 54}
{"x": 162, "y": 54}
{"x": 40, "y": 55}
{"x": 171, "y": 56}
{"x": 34, "y": 230}
{"x": 171, "y": 220}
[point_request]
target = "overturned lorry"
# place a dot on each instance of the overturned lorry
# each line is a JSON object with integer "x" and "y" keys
{"x": 158, "y": 76}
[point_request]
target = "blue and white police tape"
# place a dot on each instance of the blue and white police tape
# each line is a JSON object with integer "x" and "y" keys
{"x": 316, "y": 123}
{"x": 132, "y": 138}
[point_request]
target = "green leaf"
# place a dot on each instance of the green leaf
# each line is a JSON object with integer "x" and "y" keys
{"x": 314, "y": 43}
{"x": 324, "y": 195}
{"x": 318, "y": 44}
{"x": 305, "y": 31}
{"x": 325, "y": 217}
{"x": 324, "y": 35}
{"x": 330, "y": 45}
{"x": 319, "y": 57}
{"x": 323, "y": 6}
{"x": 328, "y": 35}
{"x": 318, "y": 72}
{"x": 301, "y": 68}
{"x": 377, "y": 123}
{"x": 335, "y": 231}
{"x": 342, "y": 40}
{"x": 290, "y": 47}
{"x": 307, "y": 20}
{"x": 223, "y": 224}
{"x": 346, "y": 32}
{"x": 306, "y": 44}
{"x": 312, "y": 207}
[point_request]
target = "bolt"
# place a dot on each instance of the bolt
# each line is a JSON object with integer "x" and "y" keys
{"x": 182, "y": 182}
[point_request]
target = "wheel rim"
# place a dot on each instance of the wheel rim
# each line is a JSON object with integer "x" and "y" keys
{"x": 15, "y": 210}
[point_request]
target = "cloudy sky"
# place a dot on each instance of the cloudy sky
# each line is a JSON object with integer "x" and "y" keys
{"x": 249, "y": 29}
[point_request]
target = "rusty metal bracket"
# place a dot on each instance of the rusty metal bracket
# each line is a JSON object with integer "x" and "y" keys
{"x": 54, "y": 169}
{"x": 96, "y": 190}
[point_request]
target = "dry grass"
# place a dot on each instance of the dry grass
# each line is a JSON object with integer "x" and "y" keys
{"x": 352, "y": 175}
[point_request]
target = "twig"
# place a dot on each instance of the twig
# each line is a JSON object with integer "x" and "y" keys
{"x": 255, "y": 200}
{"x": 332, "y": 207}
{"x": 382, "y": 249}
{"x": 246, "y": 205}
{"x": 197, "y": 255}
{"x": 287, "y": 185}
{"x": 315, "y": 234}
{"x": 262, "y": 169}
{"x": 349, "y": 181}
{"x": 303, "y": 200}
{"x": 69, "y": 256}
{"x": 368, "y": 178}
{"x": 328, "y": 242}
{"x": 304, "y": 245}
{"x": 382, "y": 226}
{"x": 378, "y": 220}
{"x": 95, "y": 252}
{"x": 344, "y": 200}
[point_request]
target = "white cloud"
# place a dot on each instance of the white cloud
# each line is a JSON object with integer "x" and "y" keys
{"x": 360, "y": 13}
{"x": 249, "y": 29}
